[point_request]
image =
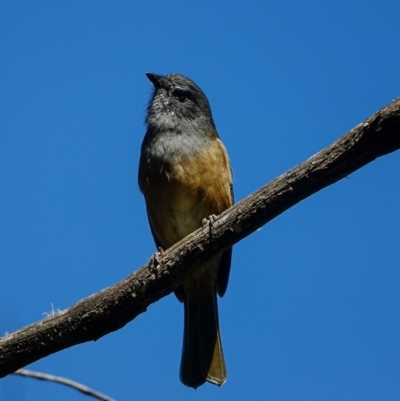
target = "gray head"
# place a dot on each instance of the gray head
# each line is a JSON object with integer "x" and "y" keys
{"x": 177, "y": 103}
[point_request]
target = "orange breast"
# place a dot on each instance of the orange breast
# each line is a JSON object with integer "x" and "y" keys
{"x": 180, "y": 195}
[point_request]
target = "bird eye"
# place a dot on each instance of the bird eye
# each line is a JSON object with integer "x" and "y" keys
{"x": 180, "y": 94}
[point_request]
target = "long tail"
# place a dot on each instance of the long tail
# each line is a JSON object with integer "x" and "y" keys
{"x": 202, "y": 356}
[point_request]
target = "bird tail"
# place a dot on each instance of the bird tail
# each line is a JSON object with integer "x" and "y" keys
{"x": 202, "y": 356}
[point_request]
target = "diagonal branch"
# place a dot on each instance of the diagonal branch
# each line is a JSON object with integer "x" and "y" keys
{"x": 66, "y": 382}
{"x": 112, "y": 308}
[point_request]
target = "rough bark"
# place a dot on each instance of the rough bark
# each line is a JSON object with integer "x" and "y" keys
{"x": 112, "y": 308}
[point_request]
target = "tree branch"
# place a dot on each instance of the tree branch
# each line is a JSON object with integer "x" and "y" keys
{"x": 66, "y": 382}
{"x": 112, "y": 308}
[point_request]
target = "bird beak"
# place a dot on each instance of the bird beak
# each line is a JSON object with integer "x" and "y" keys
{"x": 154, "y": 78}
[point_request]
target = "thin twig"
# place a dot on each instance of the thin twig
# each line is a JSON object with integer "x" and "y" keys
{"x": 62, "y": 380}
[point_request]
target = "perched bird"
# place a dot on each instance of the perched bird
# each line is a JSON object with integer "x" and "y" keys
{"x": 185, "y": 176}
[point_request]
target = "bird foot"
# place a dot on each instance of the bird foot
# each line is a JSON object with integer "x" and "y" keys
{"x": 155, "y": 260}
{"x": 208, "y": 223}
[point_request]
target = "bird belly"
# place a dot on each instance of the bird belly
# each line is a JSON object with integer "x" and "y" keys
{"x": 179, "y": 195}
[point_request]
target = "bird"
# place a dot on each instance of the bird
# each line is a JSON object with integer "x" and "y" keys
{"x": 186, "y": 177}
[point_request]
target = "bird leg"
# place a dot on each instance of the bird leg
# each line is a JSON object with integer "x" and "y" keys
{"x": 208, "y": 223}
{"x": 155, "y": 261}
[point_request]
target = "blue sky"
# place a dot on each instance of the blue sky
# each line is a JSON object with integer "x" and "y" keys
{"x": 312, "y": 309}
